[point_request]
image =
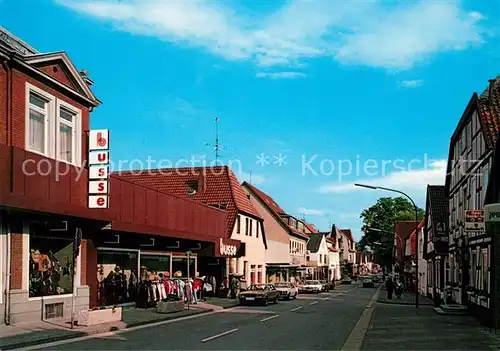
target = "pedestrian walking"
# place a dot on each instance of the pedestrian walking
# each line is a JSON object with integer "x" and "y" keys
{"x": 389, "y": 286}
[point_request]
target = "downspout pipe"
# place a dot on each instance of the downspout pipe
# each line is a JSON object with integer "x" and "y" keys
{"x": 6, "y": 233}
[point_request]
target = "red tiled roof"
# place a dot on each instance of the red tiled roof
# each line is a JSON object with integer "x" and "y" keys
{"x": 267, "y": 199}
{"x": 403, "y": 229}
{"x": 273, "y": 206}
{"x": 489, "y": 108}
{"x": 217, "y": 186}
{"x": 413, "y": 239}
{"x": 312, "y": 228}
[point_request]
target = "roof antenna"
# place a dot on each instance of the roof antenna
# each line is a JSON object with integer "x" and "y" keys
{"x": 217, "y": 146}
{"x": 250, "y": 178}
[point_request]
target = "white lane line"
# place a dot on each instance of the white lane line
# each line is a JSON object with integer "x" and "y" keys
{"x": 313, "y": 303}
{"x": 297, "y": 308}
{"x": 268, "y": 318}
{"x": 326, "y": 298}
{"x": 219, "y": 335}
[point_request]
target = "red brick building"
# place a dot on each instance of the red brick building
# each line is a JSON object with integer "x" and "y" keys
{"x": 45, "y": 107}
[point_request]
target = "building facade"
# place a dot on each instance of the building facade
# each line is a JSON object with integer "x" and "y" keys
{"x": 436, "y": 240}
{"x": 317, "y": 256}
{"x": 53, "y": 244}
{"x": 285, "y": 236}
{"x": 469, "y": 163}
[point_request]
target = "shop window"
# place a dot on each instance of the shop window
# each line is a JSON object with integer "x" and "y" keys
{"x": 50, "y": 266}
{"x": 252, "y": 274}
{"x": 259, "y": 274}
{"x": 180, "y": 266}
{"x": 118, "y": 276}
{"x": 484, "y": 269}
{"x": 154, "y": 265}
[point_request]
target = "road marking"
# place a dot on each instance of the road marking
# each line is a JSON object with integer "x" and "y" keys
{"x": 268, "y": 318}
{"x": 313, "y": 303}
{"x": 219, "y": 335}
{"x": 326, "y": 298}
{"x": 53, "y": 344}
{"x": 355, "y": 340}
{"x": 297, "y": 308}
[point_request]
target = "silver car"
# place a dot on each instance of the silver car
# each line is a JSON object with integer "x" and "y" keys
{"x": 287, "y": 290}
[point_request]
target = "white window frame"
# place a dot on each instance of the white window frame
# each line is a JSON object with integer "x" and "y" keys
{"x": 49, "y": 120}
{"x": 77, "y": 132}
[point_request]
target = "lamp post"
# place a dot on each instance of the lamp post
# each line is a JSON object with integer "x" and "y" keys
{"x": 372, "y": 187}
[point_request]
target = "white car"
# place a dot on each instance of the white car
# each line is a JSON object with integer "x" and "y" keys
{"x": 287, "y": 290}
{"x": 313, "y": 286}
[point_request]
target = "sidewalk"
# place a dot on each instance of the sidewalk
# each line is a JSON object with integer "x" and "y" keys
{"x": 407, "y": 298}
{"x": 34, "y": 333}
{"x": 405, "y": 328}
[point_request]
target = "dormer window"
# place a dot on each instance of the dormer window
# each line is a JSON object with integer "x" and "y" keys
{"x": 192, "y": 187}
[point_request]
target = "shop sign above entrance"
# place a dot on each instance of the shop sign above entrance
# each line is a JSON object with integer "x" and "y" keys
{"x": 98, "y": 168}
{"x": 227, "y": 250}
{"x": 492, "y": 213}
{"x": 474, "y": 221}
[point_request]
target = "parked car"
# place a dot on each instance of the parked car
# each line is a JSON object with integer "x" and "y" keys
{"x": 287, "y": 290}
{"x": 346, "y": 280}
{"x": 313, "y": 286}
{"x": 368, "y": 283}
{"x": 259, "y": 293}
{"x": 326, "y": 285}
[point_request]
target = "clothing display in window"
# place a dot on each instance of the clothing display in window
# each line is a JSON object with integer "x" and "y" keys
{"x": 50, "y": 275}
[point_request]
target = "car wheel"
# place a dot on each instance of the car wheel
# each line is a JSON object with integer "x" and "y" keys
{"x": 266, "y": 302}
{"x": 288, "y": 297}
{"x": 294, "y": 296}
{"x": 276, "y": 300}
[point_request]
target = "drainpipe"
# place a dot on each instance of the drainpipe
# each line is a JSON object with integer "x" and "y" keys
{"x": 6, "y": 232}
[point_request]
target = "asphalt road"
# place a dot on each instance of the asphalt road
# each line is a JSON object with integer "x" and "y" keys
{"x": 311, "y": 322}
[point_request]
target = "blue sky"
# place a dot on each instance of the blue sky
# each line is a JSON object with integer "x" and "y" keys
{"x": 348, "y": 81}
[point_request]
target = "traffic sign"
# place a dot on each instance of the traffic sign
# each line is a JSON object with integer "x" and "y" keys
{"x": 474, "y": 221}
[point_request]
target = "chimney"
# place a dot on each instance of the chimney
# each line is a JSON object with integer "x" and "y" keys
{"x": 85, "y": 75}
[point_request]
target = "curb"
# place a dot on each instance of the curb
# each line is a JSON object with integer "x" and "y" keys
{"x": 403, "y": 303}
{"x": 78, "y": 334}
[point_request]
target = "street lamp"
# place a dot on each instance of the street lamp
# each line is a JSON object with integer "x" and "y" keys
{"x": 372, "y": 187}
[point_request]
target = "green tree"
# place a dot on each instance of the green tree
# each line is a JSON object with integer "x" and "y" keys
{"x": 382, "y": 215}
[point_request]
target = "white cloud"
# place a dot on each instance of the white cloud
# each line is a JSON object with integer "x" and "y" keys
{"x": 413, "y": 180}
{"x": 277, "y": 75}
{"x": 374, "y": 33}
{"x": 349, "y": 215}
{"x": 411, "y": 83}
{"x": 254, "y": 179}
{"x": 312, "y": 212}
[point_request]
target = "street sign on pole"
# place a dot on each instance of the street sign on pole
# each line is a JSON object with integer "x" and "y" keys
{"x": 474, "y": 221}
{"x": 76, "y": 249}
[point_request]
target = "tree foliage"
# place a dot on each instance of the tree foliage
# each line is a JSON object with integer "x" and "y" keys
{"x": 382, "y": 215}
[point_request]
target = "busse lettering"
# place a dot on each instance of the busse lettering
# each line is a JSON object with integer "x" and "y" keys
{"x": 494, "y": 215}
{"x": 227, "y": 250}
{"x": 98, "y": 168}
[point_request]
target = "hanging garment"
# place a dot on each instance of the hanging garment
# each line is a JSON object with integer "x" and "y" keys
{"x": 180, "y": 287}
{"x": 161, "y": 291}
{"x": 168, "y": 286}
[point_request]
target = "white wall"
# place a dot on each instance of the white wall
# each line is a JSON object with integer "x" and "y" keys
{"x": 255, "y": 250}
{"x": 277, "y": 252}
{"x": 323, "y": 251}
{"x": 422, "y": 264}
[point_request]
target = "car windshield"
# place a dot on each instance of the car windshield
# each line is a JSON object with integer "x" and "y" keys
{"x": 282, "y": 285}
{"x": 312, "y": 282}
{"x": 257, "y": 287}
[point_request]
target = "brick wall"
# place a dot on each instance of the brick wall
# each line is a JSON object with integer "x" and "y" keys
{"x": 19, "y": 108}
{"x": 17, "y": 261}
{"x": 59, "y": 73}
{"x": 91, "y": 272}
{"x": 3, "y": 105}
{"x": 83, "y": 263}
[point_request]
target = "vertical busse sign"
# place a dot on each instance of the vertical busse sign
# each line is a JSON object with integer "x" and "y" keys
{"x": 98, "y": 168}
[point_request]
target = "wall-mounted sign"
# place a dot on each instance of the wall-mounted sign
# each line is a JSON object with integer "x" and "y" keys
{"x": 227, "y": 250}
{"x": 98, "y": 168}
{"x": 440, "y": 228}
{"x": 474, "y": 221}
{"x": 492, "y": 213}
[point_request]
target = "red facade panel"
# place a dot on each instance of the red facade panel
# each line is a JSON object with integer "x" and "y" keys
{"x": 4, "y": 87}
{"x": 139, "y": 205}
{"x": 59, "y": 73}
{"x": 152, "y": 207}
